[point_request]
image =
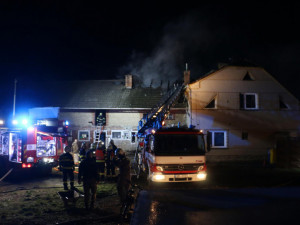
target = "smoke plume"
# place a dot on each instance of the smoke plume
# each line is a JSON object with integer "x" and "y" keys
{"x": 180, "y": 42}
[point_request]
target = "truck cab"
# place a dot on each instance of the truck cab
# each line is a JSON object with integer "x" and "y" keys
{"x": 174, "y": 155}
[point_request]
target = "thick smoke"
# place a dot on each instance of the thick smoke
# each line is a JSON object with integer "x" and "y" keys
{"x": 165, "y": 64}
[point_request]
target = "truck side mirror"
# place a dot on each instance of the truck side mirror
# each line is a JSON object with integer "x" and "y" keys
{"x": 208, "y": 141}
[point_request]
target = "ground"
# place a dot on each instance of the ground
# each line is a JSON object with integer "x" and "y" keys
{"x": 35, "y": 200}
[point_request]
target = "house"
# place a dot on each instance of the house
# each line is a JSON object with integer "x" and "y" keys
{"x": 113, "y": 107}
{"x": 245, "y": 109}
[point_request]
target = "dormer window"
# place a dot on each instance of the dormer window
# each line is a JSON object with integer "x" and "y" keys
{"x": 282, "y": 104}
{"x": 248, "y": 76}
{"x": 211, "y": 104}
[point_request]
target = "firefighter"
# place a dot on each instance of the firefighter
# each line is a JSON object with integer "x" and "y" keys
{"x": 100, "y": 160}
{"x": 82, "y": 152}
{"x": 110, "y": 166}
{"x": 90, "y": 177}
{"x": 66, "y": 165}
{"x": 124, "y": 178}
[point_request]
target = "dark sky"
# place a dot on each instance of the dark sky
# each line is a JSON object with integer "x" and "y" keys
{"x": 65, "y": 40}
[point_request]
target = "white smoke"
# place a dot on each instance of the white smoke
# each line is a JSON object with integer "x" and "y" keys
{"x": 182, "y": 40}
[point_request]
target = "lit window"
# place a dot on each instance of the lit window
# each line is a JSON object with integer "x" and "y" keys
{"x": 116, "y": 134}
{"x": 249, "y": 101}
{"x": 126, "y": 135}
{"x": 218, "y": 139}
{"x": 170, "y": 116}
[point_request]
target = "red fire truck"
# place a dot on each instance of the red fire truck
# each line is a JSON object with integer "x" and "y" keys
{"x": 36, "y": 146}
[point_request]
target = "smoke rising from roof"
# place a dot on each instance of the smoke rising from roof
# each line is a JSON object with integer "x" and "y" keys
{"x": 181, "y": 40}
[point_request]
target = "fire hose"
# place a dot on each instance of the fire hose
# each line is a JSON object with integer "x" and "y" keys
{"x": 6, "y": 174}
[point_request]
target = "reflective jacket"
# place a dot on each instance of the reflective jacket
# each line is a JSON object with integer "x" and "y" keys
{"x": 100, "y": 155}
{"x": 82, "y": 153}
{"x": 66, "y": 161}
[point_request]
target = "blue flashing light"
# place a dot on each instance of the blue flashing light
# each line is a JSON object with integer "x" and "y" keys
{"x": 30, "y": 129}
{"x": 15, "y": 122}
{"x": 24, "y": 121}
{"x": 67, "y": 123}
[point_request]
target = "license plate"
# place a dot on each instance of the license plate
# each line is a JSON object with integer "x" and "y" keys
{"x": 180, "y": 176}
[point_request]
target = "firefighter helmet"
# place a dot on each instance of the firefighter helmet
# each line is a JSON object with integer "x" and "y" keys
{"x": 89, "y": 153}
{"x": 67, "y": 148}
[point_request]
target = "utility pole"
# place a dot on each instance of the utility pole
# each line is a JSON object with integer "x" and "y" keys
{"x": 15, "y": 94}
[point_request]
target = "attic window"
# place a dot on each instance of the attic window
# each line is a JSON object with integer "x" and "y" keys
{"x": 282, "y": 104}
{"x": 248, "y": 77}
{"x": 211, "y": 104}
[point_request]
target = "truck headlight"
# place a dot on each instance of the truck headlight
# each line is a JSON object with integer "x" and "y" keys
{"x": 201, "y": 176}
{"x": 158, "y": 177}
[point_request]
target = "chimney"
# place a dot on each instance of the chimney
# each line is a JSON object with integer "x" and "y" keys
{"x": 186, "y": 75}
{"x": 128, "y": 81}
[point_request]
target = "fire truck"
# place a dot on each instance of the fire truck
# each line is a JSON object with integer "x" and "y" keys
{"x": 174, "y": 154}
{"x": 36, "y": 146}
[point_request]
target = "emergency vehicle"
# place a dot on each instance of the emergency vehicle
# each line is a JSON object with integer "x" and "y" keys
{"x": 174, "y": 154}
{"x": 36, "y": 146}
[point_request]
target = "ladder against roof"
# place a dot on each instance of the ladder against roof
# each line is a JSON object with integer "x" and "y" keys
{"x": 98, "y": 133}
{"x": 159, "y": 112}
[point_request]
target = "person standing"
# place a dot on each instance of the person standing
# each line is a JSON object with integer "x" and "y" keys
{"x": 66, "y": 165}
{"x": 75, "y": 151}
{"x": 82, "y": 152}
{"x": 90, "y": 177}
{"x": 124, "y": 178}
{"x": 100, "y": 160}
{"x": 110, "y": 154}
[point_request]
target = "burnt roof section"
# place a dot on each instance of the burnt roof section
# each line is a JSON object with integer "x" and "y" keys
{"x": 103, "y": 94}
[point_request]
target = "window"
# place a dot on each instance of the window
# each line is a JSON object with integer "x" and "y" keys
{"x": 83, "y": 135}
{"x": 244, "y": 135}
{"x": 170, "y": 116}
{"x": 116, "y": 134}
{"x": 249, "y": 101}
{"x": 248, "y": 77}
{"x": 218, "y": 139}
{"x": 100, "y": 118}
{"x": 282, "y": 104}
{"x": 133, "y": 138}
{"x": 126, "y": 135}
{"x": 211, "y": 104}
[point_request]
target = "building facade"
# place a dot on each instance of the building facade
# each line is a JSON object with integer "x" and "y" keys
{"x": 245, "y": 109}
{"x": 112, "y": 108}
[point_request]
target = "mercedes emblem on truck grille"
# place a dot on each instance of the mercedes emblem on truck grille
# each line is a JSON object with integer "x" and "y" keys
{"x": 180, "y": 167}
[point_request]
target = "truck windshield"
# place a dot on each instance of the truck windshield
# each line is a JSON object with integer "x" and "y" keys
{"x": 179, "y": 144}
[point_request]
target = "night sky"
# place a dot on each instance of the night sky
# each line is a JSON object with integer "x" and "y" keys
{"x": 44, "y": 40}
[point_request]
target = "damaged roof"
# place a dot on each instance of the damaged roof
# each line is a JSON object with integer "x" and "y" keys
{"x": 104, "y": 94}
